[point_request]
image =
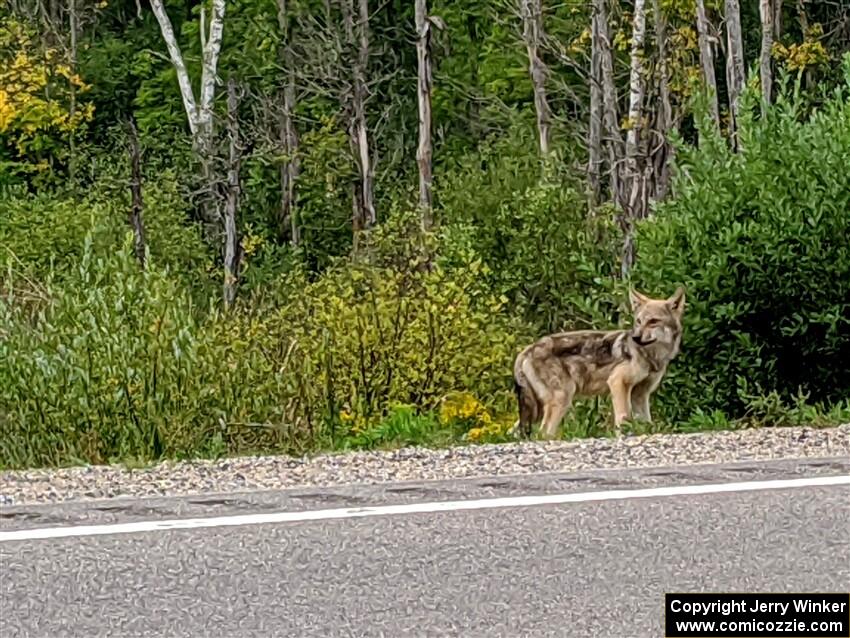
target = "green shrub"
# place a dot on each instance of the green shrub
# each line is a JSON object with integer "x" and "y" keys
{"x": 377, "y": 336}
{"x": 111, "y": 362}
{"x": 403, "y": 425}
{"x": 81, "y": 377}
{"x": 761, "y": 238}
{"x": 543, "y": 250}
{"x": 44, "y": 234}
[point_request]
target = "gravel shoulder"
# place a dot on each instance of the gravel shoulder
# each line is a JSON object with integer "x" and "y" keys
{"x": 417, "y": 464}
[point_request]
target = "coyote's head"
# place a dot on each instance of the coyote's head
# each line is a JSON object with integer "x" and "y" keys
{"x": 658, "y": 321}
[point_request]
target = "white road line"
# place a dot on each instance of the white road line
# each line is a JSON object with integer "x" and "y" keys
{"x": 415, "y": 508}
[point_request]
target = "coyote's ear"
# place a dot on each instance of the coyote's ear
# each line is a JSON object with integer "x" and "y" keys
{"x": 677, "y": 301}
{"x": 637, "y": 299}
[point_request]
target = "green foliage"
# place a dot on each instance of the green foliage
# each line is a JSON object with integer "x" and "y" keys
{"x": 381, "y": 335}
{"x": 82, "y": 378}
{"x": 544, "y": 250}
{"x": 762, "y": 241}
{"x": 115, "y": 362}
{"x": 45, "y": 234}
{"x": 403, "y": 426}
{"x": 397, "y": 336}
{"x": 40, "y": 105}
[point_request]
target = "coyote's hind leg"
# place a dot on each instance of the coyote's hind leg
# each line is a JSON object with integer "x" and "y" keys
{"x": 555, "y": 409}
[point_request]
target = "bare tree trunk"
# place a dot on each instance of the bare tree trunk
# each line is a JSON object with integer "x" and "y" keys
{"x": 766, "y": 13}
{"x": 72, "y": 111}
{"x": 635, "y": 191}
{"x": 706, "y": 57}
{"x": 637, "y": 88}
{"x": 424, "y": 81}
{"x": 777, "y": 19}
{"x": 661, "y": 150}
{"x": 289, "y": 170}
{"x": 232, "y": 247}
{"x": 136, "y": 216}
{"x": 474, "y": 108}
{"x": 532, "y": 31}
{"x": 610, "y": 117}
{"x": 594, "y": 142}
{"x": 199, "y": 113}
{"x": 363, "y": 204}
{"x": 735, "y": 73}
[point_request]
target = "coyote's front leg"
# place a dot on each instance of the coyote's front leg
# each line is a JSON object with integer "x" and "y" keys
{"x": 621, "y": 400}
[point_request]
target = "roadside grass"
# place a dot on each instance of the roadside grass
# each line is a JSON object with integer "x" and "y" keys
{"x": 463, "y": 420}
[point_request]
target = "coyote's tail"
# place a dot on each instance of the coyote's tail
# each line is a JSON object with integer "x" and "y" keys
{"x": 529, "y": 407}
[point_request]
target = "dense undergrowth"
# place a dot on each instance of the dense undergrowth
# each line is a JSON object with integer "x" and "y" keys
{"x": 412, "y": 340}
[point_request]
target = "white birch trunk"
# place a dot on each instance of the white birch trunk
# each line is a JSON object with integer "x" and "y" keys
{"x": 198, "y": 112}
{"x": 636, "y": 80}
{"x": 706, "y": 57}
{"x": 735, "y": 72}
{"x": 424, "y": 83}
{"x": 633, "y": 199}
{"x": 766, "y": 74}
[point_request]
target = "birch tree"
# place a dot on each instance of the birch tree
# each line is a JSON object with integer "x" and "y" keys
{"x": 636, "y": 86}
{"x": 766, "y": 75}
{"x": 735, "y": 73}
{"x": 706, "y": 57}
{"x": 232, "y": 245}
{"x": 424, "y": 82}
{"x": 633, "y": 196}
{"x": 532, "y": 30}
{"x": 199, "y": 111}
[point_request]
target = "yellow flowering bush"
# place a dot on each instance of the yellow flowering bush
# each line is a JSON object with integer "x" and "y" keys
{"x": 463, "y": 409}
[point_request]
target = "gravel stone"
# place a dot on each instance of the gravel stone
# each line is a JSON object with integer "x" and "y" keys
{"x": 277, "y": 472}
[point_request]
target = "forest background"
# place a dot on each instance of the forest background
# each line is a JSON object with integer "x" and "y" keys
{"x": 259, "y": 226}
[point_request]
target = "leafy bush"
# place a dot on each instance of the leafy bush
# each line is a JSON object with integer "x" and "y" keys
{"x": 45, "y": 234}
{"x": 543, "y": 250}
{"x": 98, "y": 370}
{"x": 378, "y": 335}
{"x": 112, "y": 362}
{"x": 403, "y": 425}
{"x": 761, "y": 238}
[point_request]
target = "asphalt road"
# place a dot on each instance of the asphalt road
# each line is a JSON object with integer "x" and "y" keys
{"x": 596, "y": 568}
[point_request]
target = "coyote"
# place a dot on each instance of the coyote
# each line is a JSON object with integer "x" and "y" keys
{"x": 629, "y": 364}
